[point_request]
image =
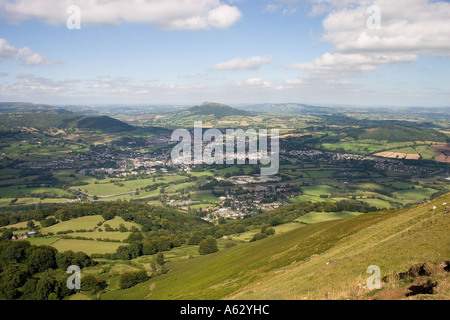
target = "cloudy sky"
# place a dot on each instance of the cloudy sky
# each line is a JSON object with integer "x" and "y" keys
{"x": 374, "y": 52}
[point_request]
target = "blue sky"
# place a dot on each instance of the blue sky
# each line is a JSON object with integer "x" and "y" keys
{"x": 241, "y": 51}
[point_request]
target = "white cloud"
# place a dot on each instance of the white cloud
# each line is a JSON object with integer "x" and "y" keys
{"x": 252, "y": 63}
{"x": 271, "y": 8}
{"x": 31, "y": 86}
{"x": 255, "y": 82}
{"x": 350, "y": 64}
{"x": 25, "y": 54}
{"x": 107, "y": 82}
{"x": 167, "y": 14}
{"x": 194, "y": 75}
{"x": 409, "y": 28}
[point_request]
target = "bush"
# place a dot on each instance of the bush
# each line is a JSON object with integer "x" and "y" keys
{"x": 259, "y": 236}
{"x": 130, "y": 279}
{"x": 207, "y": 246}
{"x": 92, "y": 284}
{"x": 48, "y": 222}
{"x": 195, "y": 238}
{"x": 230, "y": 244}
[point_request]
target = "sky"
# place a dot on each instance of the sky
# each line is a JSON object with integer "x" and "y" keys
{"x": 328, "y": 52}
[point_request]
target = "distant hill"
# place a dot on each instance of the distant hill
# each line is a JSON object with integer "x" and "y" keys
{"x": 397, "y": 133}
{"x": 102, "y": 123}
{"x": 45, "y": 118}
{"x": 217, "y": 110}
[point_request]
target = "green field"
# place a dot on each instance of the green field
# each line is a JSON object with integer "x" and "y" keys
{"x": 12, "y": 192}
{"x": 414, "y": 195}
{"x": 87, "y": 246}
{"x": 313, "y": 193}
{"x": 325, "y": 260}
{"x": 314, "y": 217}
{"x": 105, "y": 187}
{"x": 30, "y": 201}
{"x": 365, "y": 147}
{"x": 87, "y": 223}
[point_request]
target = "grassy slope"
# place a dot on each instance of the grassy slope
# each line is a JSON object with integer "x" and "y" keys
{"x": 293, "y": 265}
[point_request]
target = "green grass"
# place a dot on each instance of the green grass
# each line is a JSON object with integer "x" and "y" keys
{"x": 320, "y": 174}
{"x": 205, "y": 197}
{"x": 30, "y": 201}
{"x": 313, "y": 193}
{"x": 366, "y": 147}
{"x": 378, "y": 203}
{"x": 414, "y": 195}
{"x": 43, "y": 241}
{"x": 87, "y": 246}
{"x": 105, "y": 187}
{"x": 293, "y": 265}
{"x": 102, "y": 235}
{"x": 308, "y": 197}
{"x": 117, "y": 221}
{"x": 426, "y": 152}
{"x": 12, "y": 192}
{"x": 314, "y": 217}
{"x": 86, "y": 222}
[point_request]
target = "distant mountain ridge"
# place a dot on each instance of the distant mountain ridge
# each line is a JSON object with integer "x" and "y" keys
{"x": 218, "y": 110}
{"x": 44, "y": 117}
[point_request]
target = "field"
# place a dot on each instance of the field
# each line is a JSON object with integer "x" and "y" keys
{"x": 325, "y": 260}
{"x": 314, "y": 217}
{"x": 87, "y": 246}
{"x": 314, "y": 193}
{"x": 414, "y": 195}
{"x": 87, "y": 223}
{"x": 94, "y": 240}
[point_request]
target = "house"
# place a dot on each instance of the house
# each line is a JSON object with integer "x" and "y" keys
{"x": 26, "y": 235}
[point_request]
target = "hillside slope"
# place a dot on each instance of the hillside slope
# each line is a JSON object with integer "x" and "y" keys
{"x": 326, "y": 260}
{"x": 218, "y": 110}
{"x": 46, "y": 120}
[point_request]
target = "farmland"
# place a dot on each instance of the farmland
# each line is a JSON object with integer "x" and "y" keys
{"x": 118, "y": 198}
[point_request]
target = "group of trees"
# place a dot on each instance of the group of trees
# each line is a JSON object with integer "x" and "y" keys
{"x": 36, "y": 272}
{"x": 130, "y": 279}
{"x": 265, "y": 232}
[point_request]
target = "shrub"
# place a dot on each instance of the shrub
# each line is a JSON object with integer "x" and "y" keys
{"x": 259, "y": 236}
{"x": 130, "y": 279}
{"x": 207, "y": 246}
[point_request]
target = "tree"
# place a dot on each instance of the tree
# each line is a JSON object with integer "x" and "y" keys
{"x": 207, "y": 246}
{"x": 30, "y": 224}
{"x": 160, "y": 259}
{"x": 108, "y": 214}
{"x": 64, "y": 259}
{"x": 8, "y": 292}
{"x": 149, "y": 247}
{"x": 195, "y": 238}
{"x": 134, "y": 237}
{"x": 48, "y": 222}
{"x": 41, "y": 259}
{"x": 45, "y": 286}
{"x": 92, "y": 284}
{"x": 130, "y": 279}
{"x": 6, "y": 235}
{"x": 259, "y": 236}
